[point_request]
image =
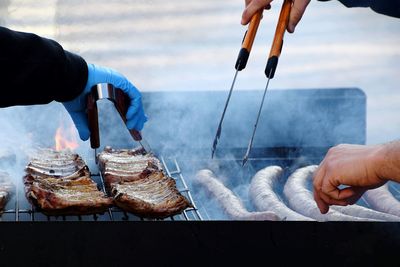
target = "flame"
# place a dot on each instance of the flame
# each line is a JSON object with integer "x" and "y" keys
{"x": 66, "y": 138}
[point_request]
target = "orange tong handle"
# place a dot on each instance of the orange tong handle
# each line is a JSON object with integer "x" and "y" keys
{"x": 252, "y": 31}
{"x": 281, "y": 28}
{"x": 248, "y": 40}
{"x": 277, "y": 43}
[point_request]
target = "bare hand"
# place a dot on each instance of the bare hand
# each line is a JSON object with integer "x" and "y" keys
{"x": 353, "y": 166}
{"x": 298, "y": 8}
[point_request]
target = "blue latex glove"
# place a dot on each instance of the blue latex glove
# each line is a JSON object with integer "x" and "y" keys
{"x": 77, "y": 107}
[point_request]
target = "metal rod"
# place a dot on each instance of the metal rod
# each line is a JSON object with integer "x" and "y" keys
{"x": 95, "y": 156}
{"x": 246, "y": 156}
{"x": 104, "y": 191}
{"x": 219, "y": 130}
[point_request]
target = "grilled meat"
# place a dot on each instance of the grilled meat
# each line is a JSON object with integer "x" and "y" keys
{"x": 138, "y": 184}
{"x": 68, "y": 197}
{"x": 154, "y": 196}
{"x": 231, "y": 204}
{"x": 59, "y": 183}
{"x": 50, "y": 163}
{"x": 300, "y": 198}
{"x": 383, "y": 200}
{"x": 126, "y": 165}
{"x": 6, "y": 188}
{"x": 264, "y": 197}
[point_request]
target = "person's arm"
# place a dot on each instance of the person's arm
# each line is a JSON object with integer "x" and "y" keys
{"x": 135, "y": 117}
{"x": 36, "y": 70}
{"x": 298, "y": 8}
{"x": 347, "y": 171}
{"x": 385, "y": 7}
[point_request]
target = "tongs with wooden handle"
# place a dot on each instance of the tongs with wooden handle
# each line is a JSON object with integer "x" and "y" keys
{"x": 277, "y": 43}
{"x": 121, "y": 102}
{"x": 248, "y": 41}
{"x": 272, "y": 63}
{"x": 241, "y": 63}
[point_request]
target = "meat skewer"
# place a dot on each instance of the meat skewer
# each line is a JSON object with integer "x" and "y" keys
{"x": 382, "y": 199}
{"x": 230, "y": 203}
{"x": 264, "y": 198}
{"x": 300, "y": 198}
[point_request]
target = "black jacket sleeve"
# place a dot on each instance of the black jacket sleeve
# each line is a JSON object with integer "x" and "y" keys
{"x": 385, "y": 7}
{"x": 36, "y": 70}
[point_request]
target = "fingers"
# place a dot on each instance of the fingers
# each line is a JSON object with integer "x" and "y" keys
{"x": 137, "y": 120}
{"x": 327, "y": 192}
{"x": 317, "y": 185}
{"x": 252, "y": 7}
{"x": 135, "y": 115}
{"x": 322, "y": 206}
{"x": 136, "y": 101}
{"x": 298, "y": 8}
{"x": 81, "y": 123}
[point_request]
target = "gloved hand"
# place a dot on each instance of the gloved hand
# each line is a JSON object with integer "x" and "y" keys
{"x": 96, "y": 74}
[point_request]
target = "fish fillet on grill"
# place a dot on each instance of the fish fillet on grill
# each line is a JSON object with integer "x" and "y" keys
{"x": 6, "y": 188}
{"x": 59, "y": 183}
{"x": 138, "y": 184}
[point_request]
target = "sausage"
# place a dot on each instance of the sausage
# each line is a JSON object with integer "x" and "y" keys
{"x": 382, "y": 199}
{"x": 300, "y": 198}
{"x": 262, "y": 195}
{"x": 231, "y": 204}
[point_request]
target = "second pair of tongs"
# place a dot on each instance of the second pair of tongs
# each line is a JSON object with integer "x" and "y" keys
{"x": 270, "y": 68}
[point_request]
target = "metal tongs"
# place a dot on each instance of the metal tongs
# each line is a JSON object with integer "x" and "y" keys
{"x": 121, "y": 102}
{"x": 270, "y": 68}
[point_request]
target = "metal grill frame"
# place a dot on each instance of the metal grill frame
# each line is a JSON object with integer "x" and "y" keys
{"x": 172, "y": 169}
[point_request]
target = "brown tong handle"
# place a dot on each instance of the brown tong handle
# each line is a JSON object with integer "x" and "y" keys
{"x": 277, "y": 44}
{"x": 248, "y": 40}
{"x": 122, "y": 102}
{"x": 93, "y": 120}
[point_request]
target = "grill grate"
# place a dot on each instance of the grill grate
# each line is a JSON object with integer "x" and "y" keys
{"x": 19, "y": 209}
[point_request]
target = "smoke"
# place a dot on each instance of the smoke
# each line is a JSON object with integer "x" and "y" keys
{"x": 171, "y": 53}
{"x": 296, "y": 128}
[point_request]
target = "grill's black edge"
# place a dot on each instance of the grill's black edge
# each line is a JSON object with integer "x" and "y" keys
{"x": 195, "y": 243}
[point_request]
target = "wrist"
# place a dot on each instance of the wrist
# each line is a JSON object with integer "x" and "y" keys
{"x": 385, "y": 161}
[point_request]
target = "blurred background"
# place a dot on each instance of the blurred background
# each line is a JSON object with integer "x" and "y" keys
{"x": 193, "y": 45}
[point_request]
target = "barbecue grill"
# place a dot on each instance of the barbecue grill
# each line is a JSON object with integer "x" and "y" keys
{"x": 297, "y": 128}
{"x": 18, "y": 208}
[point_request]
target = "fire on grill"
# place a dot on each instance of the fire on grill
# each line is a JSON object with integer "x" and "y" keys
{"x": 272, "y": 187}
